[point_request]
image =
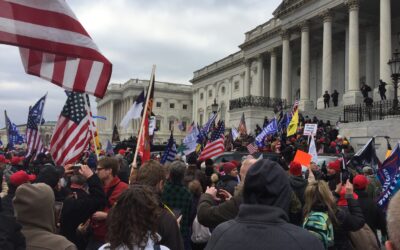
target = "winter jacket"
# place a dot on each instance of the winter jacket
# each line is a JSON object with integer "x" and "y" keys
{"x": 34, "y": 209}
{"x": 77, "y": 210}
{"x": 150, "y": 245}
{"x": 168, "y": 229}
{"x": 228, "y": 183}
{"x": 117, "y": 187}
{"x": 10, "y": 233}
{"x": 8, "y": 208}
{"x": 261, "y": 227}
{"x": 298, "y": 184}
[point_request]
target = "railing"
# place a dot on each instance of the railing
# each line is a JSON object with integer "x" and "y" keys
{"x": 257, "y": 101}
{"x": 376, "y": 111}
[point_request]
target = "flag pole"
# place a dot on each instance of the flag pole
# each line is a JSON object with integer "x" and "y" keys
{"x": 89, "y": 111}
{"x": 142, "y": 121}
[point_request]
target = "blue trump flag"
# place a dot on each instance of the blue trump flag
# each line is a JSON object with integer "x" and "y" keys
{"x": 170, "y": 152}
{"x": 271, "y": 128}
{"x": 389, "y": 176}
{"x": 13, "y": 135}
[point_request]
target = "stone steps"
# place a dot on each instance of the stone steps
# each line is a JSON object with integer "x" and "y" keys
{"x": 332, "y": 114}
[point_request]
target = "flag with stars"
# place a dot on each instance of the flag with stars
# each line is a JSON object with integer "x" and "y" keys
{"x": 34, "y": 140}
{"x": 170, "y": 152}
{"x": 13, "y": 135}
{"x": 72, "y": 132}
{"x": 215, "y": 146}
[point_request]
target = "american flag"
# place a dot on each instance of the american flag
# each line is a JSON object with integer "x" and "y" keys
{"x": 295, "y": 106}
{"x": 71, "y": 134}
{"x": 33, "y": 137}
{"x": 206, "y": 128}
{"x": 170, "y": 152}
{"x": 242, "y": 126}
{"x": 54, "y": 45}
{"x": 13, "y": 135}
{"x": 252, "y": 148}
{"x": 215, "y": 146}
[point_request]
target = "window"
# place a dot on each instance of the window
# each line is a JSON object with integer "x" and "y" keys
{"x": 223, "y": 90}
{"x": 171, "y": 125}
{"x": 184, "y": 124}
{"x": 210, "y": 93}
{"x": 172, "y": 105}
{"x": 201, "y": 96}
{"x": 158, "y": 124}
{"x": 184, "y": 106}
{"x": 236, "y": 85}
{"x": 158, "y": 104}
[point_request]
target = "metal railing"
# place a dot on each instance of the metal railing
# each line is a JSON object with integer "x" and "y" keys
{"x": 257, "y": 101}
{"x": 376, "y": 111}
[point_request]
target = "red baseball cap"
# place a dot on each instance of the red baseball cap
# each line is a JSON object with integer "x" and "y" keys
{"x": 21, "y": 177}
{"x": 295, "y": 168}
{"x": 3, "y": 159}
{"x": 15, "y": 160}
{"x": 335, "y": 165}
{"x": 121, "y": 152}
{"x": 360, "y": 182}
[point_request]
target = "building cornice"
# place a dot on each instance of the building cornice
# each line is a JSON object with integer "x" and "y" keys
{"x": 257, "y": 40}
{"x": 288, "y": 6}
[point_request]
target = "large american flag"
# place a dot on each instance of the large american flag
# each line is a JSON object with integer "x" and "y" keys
{"x": 33, "y": 137}
{"x": 54, "y": 45}
{"x": 72, "y": 132}
{"x": 215, "y": 146}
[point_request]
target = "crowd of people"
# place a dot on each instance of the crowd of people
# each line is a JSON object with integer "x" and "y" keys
{"x": 254, "y": 203}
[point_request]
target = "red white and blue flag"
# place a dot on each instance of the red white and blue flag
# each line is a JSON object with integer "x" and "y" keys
{"x": 34, "y": 139}
{"x": 215, "y": 146}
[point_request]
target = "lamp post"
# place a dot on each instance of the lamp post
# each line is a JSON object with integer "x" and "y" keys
{"x": 394, "y": 63}
{"x": 214, "y": 106}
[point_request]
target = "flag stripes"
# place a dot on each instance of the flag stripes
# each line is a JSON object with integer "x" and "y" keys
{"x": 212, "y": 149}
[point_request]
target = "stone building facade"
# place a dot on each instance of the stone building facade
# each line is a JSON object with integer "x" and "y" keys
{"x": 172, "y": 103}
{"x": 307, "y": 48}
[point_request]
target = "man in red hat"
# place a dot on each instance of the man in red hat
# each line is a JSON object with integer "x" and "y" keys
{"x": 373, "y": 215}
{"x": 333, "y": 174}
{"x": 297, "y": 182}
{"x": 228, "y": 181}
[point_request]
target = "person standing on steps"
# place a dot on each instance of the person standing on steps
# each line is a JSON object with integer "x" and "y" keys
{"x": 327, "y": 98}
{"x": 382, "y": 89}
{"x": 335, "y": 98}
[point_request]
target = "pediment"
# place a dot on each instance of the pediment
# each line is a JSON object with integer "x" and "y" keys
{"x": 288, "y": 6}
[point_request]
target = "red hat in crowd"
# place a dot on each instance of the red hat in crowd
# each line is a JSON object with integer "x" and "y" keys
{"x": 335, "y": 165}
{"x": 3, "y": 159}
{"x": 21, "y": 177}
{"x": 360, "y": 182}
{"x": 15, "y": 160}
{"x": 342, "y": 200}
{"x": 228, "y": 167}
{"x": 293, "y": 139}
{"x": 333, "y": 144}
{"x": 295, "y": 168}
{"x": 236, "y": 163}
{"x": 121, "y": 152}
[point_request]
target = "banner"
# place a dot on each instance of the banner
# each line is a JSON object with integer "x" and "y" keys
{"x": 310, "y": 129}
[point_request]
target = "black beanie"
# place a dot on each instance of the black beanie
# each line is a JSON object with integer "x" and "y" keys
{"x": 267, "y": 183}
{"x": 48, "y": 175}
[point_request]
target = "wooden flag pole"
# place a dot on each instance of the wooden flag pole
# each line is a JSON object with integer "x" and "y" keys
{"x": 89, "y": 111}
{"x": 142, "y": 121}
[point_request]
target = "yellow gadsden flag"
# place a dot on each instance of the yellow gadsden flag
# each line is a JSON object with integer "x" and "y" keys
{"x": 292, "y": 128}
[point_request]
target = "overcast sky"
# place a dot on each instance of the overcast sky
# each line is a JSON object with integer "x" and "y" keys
{"x": 179, "y": 36}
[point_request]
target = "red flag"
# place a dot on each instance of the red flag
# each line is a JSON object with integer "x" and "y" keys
{"x": 144, "y": 147}
{"x": 54, "y": 45}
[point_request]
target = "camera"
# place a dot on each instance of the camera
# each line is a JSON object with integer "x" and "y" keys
{"x": 77, "y": 166}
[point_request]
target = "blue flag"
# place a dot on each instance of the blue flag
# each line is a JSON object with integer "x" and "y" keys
{"x": 109, "y": 148}
{"x": 271, "y": 128}
{"x": 389, "y": 176}
{"x": 170, "y": 152}
{"x": 13, "y": 135}
{"x": 206, "y": 128}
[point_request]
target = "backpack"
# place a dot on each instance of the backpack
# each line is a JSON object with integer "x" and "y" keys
{"x": 364, "y": 239}
{"x": 200, "y": 233}
{"x": 319, "y": 224}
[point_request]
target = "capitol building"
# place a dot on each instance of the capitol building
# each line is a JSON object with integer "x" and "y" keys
{"x": 307, "y": 48}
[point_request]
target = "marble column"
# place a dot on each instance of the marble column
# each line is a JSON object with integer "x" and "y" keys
{"x": 326, "y": 57}
{"x": 286, "y": 80}
{"x": 194, "y": 107}
{"x": 353, "y": 95}
{"x": 272, "y": 81}
{"x": 385, "y": 46}
{"x": 257, "y": 89}
{"x": 247, "y": 76}
{"x": 305, "y": 103}
{"x": 111, "y": 115}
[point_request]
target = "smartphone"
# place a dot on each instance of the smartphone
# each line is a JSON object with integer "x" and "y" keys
{"x": 177, "y": 212}
{"x": 77, "y": 166}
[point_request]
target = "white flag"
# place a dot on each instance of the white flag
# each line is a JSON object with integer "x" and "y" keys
{"x": 134, "y": 112}
{"x": 190, "y": 141}
{"x": 152, "y": 125}
{"x": 313, "y": 150}
{"x": 235, "y": 133}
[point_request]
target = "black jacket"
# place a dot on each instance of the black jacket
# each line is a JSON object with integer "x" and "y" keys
{"x": 168, "y": 230}
{"x": 298, "y": 185}
{"x": 11, "y": 236}
{"x": 261, "y": 227}
{"x": 8, "y": 208}
{"x": 228, "y": 183}
{"x": 78, "y": 210}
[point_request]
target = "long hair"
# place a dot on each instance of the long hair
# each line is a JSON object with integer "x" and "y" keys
{"x": 318, "y": 197}
{"x": 134, "y": 218}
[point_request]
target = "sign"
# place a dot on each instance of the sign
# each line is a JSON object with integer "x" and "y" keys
{"x": 303, "y": 158}
{"x": 310, "y": 129}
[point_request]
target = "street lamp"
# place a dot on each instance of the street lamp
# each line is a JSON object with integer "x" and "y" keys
{"x": 214, "y": 106}
{"x": 394, "y": 64}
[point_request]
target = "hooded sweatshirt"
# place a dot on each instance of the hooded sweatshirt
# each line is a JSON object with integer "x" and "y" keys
{"x": 34, "y": 210}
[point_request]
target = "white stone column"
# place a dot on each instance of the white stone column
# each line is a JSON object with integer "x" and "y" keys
{"x": 246, "y": 85}
{"x": 194, "y": 107}
{"x": 385, "y": 46}
{"x": 326, "y": 58}
{"x": 286, "y": 80}
{"x": 258, "y": 87}
{"x": 305, "y": 103}
{"x": 272, "y": 81}
{"x": 353, "y": 95}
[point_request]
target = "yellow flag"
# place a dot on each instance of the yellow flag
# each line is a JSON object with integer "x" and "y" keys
{"x": 292, "y": 128}
{"x": 388, "y": 153}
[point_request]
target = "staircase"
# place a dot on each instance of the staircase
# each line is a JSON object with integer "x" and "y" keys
{"x": 332, "y": 114}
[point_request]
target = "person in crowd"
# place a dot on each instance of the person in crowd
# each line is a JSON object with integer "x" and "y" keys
{"x": 107, "y": 170}
{"x": 262, "y": 221}
{"x": 327, "y": 98}
{"x": 365, "y": 89}
{"x": 335, "y": 98}
{"x": 80, "y": 205}
{"x": 209, "y": 170}
{"x": 333, "y": 174}
{"x": 132, "y": 222}
{"x": 196, "y": 190}
{"x": 229, "y": 180}
{"x": 193, "y": 172}
{"x": 368, "y": 101}
{"x": 382, "y": 89}
{"x": 393, "y": 221}
{"x": 51, "y": 176}
{"x": 211, "y": 214}
{"x": 297, "y": 182}
{"x": 11, "y": 236}
{"x": 123, "y": 170}
{"x": 34, "y": 206}
{"x": 373, "y": 215}
{"x": 176, "y": 196}
{"x": 374, "y": 186}
{"x": 153, "y": 175}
